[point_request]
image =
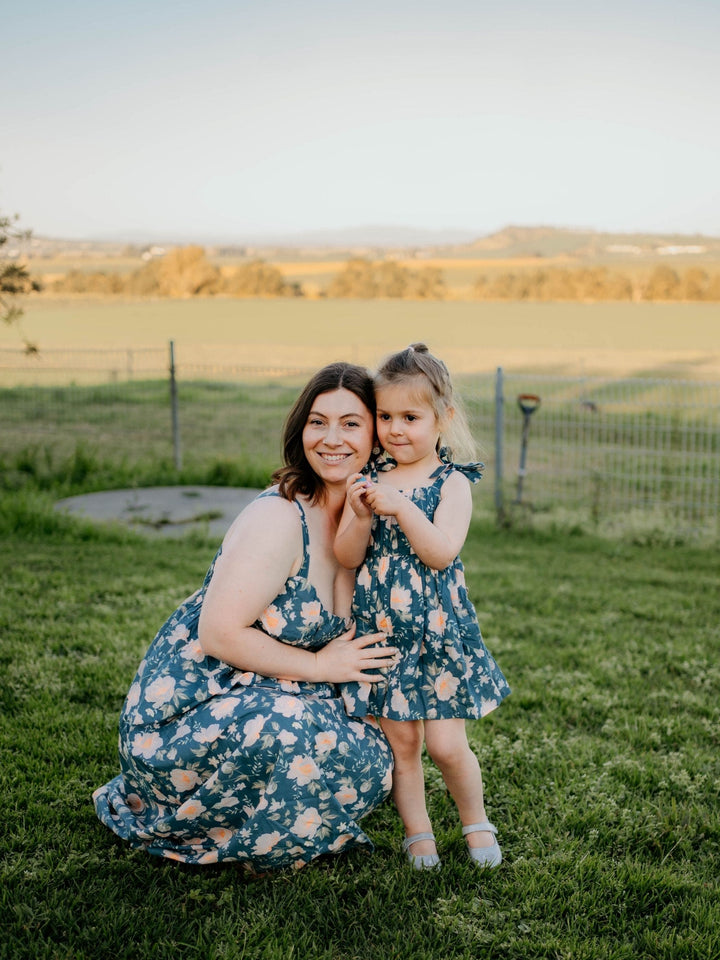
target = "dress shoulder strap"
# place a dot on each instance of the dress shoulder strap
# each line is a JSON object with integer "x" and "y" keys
{"x": 303, "y": 571}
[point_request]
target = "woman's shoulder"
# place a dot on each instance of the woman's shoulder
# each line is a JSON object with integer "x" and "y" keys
{"x": 268, "y": 515}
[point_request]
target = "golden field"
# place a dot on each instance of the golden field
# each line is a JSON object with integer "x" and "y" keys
{"x": 673, "y": 339}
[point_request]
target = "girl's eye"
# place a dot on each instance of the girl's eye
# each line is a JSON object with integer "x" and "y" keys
{"x": 411, "y": 417}
{"x": 383, "y": 416}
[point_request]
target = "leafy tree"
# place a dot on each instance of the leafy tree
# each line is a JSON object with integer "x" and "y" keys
{"x": 258, "y": 279}
{"x": 427, "y": 284}
{"x": 357, "y": 280}
{"x": 392, "y": 279}
{"x": 15, "y": 281}
{"x": 186, "y": 272}
{"x": 662, "y": 284}
{"x": 694, "y": 284}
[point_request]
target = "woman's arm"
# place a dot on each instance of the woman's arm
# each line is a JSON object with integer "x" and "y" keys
{"x": 437, "y": 542}
{"x": 353, "y": 533}
{"x": 262, "y": 549}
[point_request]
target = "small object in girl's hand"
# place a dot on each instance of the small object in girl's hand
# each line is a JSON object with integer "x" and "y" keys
{"x": 359, "y": 480}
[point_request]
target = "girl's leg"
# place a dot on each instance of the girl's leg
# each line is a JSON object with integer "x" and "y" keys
{"x": 449, "y": 749}
{"x": 406, "y": 740}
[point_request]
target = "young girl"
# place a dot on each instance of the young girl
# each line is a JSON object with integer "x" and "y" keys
{"x": 404, "y": 526}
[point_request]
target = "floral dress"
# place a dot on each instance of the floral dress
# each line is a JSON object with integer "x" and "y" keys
{"x": 219, "y": 764}
{"x": 445, "y": 670}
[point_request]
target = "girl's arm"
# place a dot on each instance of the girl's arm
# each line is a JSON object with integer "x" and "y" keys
{"x": 437, "y": 542}
{"x": 353, "y": 533}
{"x": 262, "y": 549}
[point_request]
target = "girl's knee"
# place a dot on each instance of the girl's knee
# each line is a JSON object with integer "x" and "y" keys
{"x": 449, "y": 749}
{"x": 406, "y": 738}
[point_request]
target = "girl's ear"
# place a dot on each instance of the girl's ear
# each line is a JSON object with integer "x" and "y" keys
{"x": 447, "y": 417}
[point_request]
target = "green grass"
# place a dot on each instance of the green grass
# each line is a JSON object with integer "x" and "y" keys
{"x": 602, "y": 769}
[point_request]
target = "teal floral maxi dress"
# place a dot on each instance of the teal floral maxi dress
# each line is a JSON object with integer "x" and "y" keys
{"x": 445, "y": 670}
{"x": 218, "y": 764}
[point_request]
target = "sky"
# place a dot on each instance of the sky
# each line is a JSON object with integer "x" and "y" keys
{"x": 232, "y": 120}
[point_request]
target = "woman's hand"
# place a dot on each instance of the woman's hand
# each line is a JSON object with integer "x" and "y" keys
{"x": 347, "y": 657}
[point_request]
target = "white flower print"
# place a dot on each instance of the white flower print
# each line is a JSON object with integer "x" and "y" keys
{"x": 161, "y": 690}
{"x": 446, "y": 685}
{"x": 146, "y": 745}
{"x": 437, "y": 620}
{"x": 273, "y": 621}
{"x": 289, "y": 707}
{"x": 265, "y": 842}
{"x": 400, "y": 599}
{"x": 190, "y": 810}
{"x": 325, "y": 741}
{"x": 311, "y": 612}
{"x": 303, "y": 770}
{"x": 252, "y": 730}
{"x": 224, "y": 707}
{"x": 307, "y": 823}
{"x": 208, "y": 734}
{"x": 184, "y": 779}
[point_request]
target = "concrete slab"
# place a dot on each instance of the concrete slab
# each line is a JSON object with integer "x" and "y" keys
{"x": 164, "y": 511}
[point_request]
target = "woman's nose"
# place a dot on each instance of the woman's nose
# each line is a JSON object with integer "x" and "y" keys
{"x": 332, "y": 436}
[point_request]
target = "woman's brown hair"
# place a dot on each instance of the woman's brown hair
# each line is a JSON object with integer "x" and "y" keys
{"x": 297, "y": 476}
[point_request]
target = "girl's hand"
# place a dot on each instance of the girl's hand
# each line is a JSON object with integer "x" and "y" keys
{"x": 357, "y": 488}
{"x": 385, "y": 500}
{"x": 347, "y": 657}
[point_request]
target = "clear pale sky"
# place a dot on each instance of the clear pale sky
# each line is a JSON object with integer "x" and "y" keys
{"x": 229, "y": 119}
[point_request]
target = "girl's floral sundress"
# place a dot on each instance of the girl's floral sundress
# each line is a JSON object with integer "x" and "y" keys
{"x": 445, "y": 670}
{"x": 224, "y": 765}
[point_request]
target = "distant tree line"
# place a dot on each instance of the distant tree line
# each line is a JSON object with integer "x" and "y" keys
{"x": 363, "y": 279}
{"x": 598, "y": 283}
{"x": 186, "y": 272}
{"x": 182, "y": 272}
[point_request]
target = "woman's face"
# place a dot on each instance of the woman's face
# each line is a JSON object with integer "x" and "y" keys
{"x": 338, "y": 435}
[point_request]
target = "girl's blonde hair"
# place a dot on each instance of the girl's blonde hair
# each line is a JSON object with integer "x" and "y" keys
{"x": 416, "y": 366}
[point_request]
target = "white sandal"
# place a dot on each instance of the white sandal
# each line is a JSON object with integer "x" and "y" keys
{"x": 484, "y": 856}
{"x": 422, "y": 861}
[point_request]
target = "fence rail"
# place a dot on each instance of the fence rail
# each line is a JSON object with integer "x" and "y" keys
{"x": 596, "y": 445}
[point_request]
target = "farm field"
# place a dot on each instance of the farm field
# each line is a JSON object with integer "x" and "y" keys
{"x": 673, "y": 339}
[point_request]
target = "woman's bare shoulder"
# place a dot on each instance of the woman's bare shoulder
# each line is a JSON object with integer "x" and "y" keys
{"x": 266, "y": 518}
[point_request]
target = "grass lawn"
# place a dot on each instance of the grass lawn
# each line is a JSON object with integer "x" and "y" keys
{"x": 602, "y": 769}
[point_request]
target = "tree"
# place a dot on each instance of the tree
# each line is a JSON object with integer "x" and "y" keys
{"x": 15, "y": 281}
{"x": 357, "y": 279}
{"x": 259, "y": 279}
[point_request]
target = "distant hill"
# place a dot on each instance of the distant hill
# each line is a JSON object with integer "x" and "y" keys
{"x": 510, "y": 242}
{"x": 586, "y": 244}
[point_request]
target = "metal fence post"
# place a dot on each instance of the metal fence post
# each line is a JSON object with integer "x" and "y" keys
{"x": 499, "y": 428}
{"x": 174, "y": 410}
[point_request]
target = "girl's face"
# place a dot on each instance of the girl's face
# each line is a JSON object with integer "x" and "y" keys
{"x": 407, "y": 426}
{"x": 338, "y": 435}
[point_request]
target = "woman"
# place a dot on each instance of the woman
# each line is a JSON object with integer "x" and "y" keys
{"x": 234, "y": 745}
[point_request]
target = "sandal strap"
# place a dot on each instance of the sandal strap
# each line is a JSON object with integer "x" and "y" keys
{"x": 409, "y": 841}
{"x": 485, "y": 827}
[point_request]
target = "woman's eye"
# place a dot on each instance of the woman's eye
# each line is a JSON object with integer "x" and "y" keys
{"x": 351, "y": 423}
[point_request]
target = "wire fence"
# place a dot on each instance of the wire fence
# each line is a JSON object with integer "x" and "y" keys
{"x": 595, "y": 445}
